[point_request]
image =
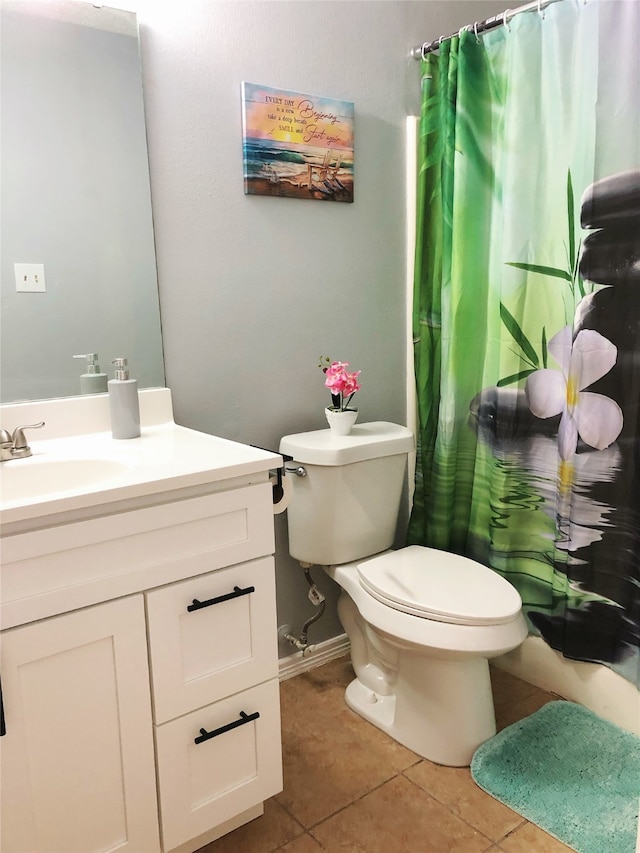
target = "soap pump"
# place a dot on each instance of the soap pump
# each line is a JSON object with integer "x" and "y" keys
{"x": 123, "y": 402}
{"x": 93, "y": 381}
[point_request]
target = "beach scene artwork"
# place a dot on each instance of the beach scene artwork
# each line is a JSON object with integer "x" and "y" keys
{"x": 296, "y": 145}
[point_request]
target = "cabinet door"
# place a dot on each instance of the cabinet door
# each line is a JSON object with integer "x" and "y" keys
{"x": 77, "y": 764}
{"x": 211, "y": 636}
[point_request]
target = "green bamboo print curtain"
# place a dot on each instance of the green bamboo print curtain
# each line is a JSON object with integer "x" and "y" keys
{"x": 527, "y": 318}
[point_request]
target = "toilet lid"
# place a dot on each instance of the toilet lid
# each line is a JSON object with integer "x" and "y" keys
{"x": 441, "y": 586}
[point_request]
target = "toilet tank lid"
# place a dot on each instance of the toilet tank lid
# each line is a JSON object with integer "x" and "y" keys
{"x": 366, "y": 441}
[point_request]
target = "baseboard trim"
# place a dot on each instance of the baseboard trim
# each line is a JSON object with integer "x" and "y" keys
{"x": 321, "y": 653}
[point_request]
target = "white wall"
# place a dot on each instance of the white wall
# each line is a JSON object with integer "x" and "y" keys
{"x": 254, "y": 289}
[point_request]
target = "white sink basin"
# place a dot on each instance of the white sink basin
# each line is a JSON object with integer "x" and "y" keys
{"x": 79, "y": 471}
{"x": 26, "y": 479}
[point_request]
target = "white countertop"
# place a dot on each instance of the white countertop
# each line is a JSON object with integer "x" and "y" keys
{"x": 165, "y": 457}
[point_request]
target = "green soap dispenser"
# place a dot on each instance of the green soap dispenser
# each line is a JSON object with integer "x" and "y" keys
{"x": 123, "y": 402}
{"x": 93, "y": 381}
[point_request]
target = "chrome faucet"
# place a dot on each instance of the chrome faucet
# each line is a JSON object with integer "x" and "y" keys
{"x": 15, "y": 446}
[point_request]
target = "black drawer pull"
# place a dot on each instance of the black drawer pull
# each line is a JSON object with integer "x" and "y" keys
{"x": 244, "y": 718}
{"x": 3, "y": 728}
{"x": 237, "y": 592}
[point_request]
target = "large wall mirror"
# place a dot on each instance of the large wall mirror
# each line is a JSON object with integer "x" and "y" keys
{"x": 75, "y": 198}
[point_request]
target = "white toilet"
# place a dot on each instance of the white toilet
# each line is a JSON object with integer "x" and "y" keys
{"x": 422, "y": 623}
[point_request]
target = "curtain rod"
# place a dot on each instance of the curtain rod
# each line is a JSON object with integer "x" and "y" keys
{"x": 500, "y": 20}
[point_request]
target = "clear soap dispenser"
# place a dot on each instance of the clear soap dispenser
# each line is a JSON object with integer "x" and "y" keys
{"x": 123, "y": 402}
{"x": 93, "y": 381}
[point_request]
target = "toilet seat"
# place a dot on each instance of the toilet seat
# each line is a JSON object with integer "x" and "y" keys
{"x": 440, "y": 586}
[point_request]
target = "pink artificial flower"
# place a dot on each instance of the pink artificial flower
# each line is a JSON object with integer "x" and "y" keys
{"x": 333, "y": 376}
{"x": 340, "y": 382}
{"x": 351, "y": 383}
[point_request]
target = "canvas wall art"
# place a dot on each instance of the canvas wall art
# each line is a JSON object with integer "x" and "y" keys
{"x": 296, "y": 145}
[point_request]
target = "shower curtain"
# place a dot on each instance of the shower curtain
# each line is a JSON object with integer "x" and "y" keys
{"x": 527, "y": 318}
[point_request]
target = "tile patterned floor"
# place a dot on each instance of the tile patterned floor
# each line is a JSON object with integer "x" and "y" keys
{"x": 349, "y": 787}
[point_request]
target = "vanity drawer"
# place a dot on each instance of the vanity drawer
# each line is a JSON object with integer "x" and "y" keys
{"x": 236, "y": 763}
{"x": 211, "y": 636}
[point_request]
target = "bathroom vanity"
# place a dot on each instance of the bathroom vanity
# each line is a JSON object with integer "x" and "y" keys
{"x": 139, "y": 640}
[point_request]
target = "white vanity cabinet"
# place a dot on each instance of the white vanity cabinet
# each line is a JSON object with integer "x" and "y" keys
{"x": 77, "y": 767}
{"x": 139, "y": 668}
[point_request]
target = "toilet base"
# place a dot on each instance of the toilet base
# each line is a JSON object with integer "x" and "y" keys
{"x": 440, "y": 709}
{"x": 425, "y": 683}
{"x": 376, "y": 709}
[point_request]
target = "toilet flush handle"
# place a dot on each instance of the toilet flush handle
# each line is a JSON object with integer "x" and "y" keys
{"x": 299, "y": 471}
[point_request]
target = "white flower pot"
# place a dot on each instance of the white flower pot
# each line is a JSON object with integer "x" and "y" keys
{"x": 341, "y": 423}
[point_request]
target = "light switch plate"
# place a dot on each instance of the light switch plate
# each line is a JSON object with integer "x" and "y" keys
{"x": 30, "y": 278}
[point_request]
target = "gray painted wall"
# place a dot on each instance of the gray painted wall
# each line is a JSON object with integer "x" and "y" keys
{"x": 254, "y": 289}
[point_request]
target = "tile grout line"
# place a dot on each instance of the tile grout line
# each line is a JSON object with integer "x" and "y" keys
{"x": 349, "y": 804}
{"x": 449, "y": 809}
{"x": 515, "y": 829}
{"x": 293, "y": 817}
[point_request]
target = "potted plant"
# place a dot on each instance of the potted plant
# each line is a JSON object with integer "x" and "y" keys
{"x": 342, "y": 385}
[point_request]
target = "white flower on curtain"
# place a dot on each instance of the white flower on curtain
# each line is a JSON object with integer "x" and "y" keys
{"x": 594, "y": 418}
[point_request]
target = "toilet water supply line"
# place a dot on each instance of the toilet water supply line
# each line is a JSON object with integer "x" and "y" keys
{"x": 315, "y": 596}
{"x": 317, "y": 599}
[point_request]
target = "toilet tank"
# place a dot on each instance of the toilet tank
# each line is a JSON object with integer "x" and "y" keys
{"x": 346, "y": 507}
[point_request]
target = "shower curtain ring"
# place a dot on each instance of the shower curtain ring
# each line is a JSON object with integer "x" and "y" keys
{"x": 475, "y": 30}
{"x": 541, "y": 10}
{"x": 505, "y": 19}
{"x": 423, "y": 50}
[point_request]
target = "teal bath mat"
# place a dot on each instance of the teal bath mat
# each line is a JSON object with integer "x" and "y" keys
{"x": 571, "y": 773}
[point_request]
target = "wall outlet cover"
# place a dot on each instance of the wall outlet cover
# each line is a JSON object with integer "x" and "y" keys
{"x": 30, "y": 278}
